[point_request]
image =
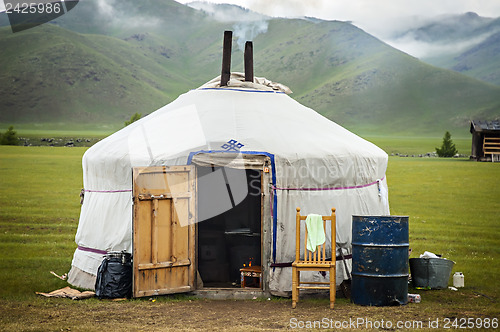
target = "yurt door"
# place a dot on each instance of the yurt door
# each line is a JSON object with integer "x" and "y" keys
{"x": 164, "y": 230}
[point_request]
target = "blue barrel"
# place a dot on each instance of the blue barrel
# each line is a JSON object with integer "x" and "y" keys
{"x": 380, "y": 260}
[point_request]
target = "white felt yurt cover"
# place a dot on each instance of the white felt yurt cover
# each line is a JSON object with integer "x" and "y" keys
{"x": 317, "y": 164}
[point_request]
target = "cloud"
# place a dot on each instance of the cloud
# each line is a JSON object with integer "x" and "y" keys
{"x": 106, "y": 7}
{"x": 286, "y": 8}
{"x": 226, "y": 13}
{"x": 443, "y": 35}
{"x": 247, "y": 24}
{"x": 423, "y": 49}
{"x": 384, "y": 19}
{"x": 378, "y": 18}
{"x": 117, "y": 16}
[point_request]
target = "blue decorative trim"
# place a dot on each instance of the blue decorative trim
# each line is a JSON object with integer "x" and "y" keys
{"x": 273, "y": 177}
{"x": 232, "y": 146}
{"x": 241, "y": 90}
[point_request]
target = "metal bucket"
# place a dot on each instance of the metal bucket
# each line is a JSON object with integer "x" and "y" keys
{"x": 380, "y": 260}
{"x": 432, "y": 273}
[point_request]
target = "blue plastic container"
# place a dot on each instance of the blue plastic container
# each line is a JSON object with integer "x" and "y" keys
{"x": 380, "y": 260}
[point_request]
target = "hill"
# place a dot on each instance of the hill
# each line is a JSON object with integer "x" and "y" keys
{"x": 356, "y": 80}
{"x": 52, "y": 74}
{"x": 481, "y": 61}
{"x": 100, "y": 65}
{"x": 468, "y": 43}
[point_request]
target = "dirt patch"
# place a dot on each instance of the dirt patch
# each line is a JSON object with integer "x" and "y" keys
{"x": 164, "y": 314}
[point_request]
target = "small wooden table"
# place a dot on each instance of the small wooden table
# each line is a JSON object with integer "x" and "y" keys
{"x": 251, "y": 272}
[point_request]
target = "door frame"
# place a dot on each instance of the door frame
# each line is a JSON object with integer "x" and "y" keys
{"x": 263, "y": 163}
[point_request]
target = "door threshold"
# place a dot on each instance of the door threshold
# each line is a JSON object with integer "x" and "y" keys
{"x": 230, "y": 293}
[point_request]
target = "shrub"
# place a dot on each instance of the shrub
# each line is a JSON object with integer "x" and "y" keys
{"x": 133, "y": 118}
{"x": 9, "y": 137}
{"x": 448, "y": 148}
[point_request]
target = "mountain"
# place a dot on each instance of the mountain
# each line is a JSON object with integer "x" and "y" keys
{"x": 52, "y": 74}
{"x": 466, "y": 43}
{"x": 103, "y": 61}
{"x": 98, "y": 64}
{"x": 451, "y": 28}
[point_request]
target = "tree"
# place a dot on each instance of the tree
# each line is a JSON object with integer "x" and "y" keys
{"x": 9, "y": 137}
{"x": 448, "y": 148}
{"x": 133, "y": 118}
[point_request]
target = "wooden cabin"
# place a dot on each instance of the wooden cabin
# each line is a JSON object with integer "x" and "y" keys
{"x": 485, "y": 140}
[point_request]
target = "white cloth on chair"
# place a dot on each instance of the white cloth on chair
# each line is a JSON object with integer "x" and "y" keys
{"x": 315, "y": 231}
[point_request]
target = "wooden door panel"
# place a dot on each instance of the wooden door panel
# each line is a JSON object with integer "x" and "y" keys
{"x": 164, "y": 231}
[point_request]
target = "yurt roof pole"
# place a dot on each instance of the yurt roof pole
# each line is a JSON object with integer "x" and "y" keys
{"x": 226, "y": 58}
{"x": 249, "y": 61}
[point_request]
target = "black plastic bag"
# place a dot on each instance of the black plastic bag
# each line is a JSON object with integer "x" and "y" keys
{"x": 114, "y": 276}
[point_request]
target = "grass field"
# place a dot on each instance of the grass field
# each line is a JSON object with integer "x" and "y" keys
{"x": 39, "y": 199}
{"x": 453, "y": 205}
{"x": 419, "y": 145}
{"x": 454, "y": 208}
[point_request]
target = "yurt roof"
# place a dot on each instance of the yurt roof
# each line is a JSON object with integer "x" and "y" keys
{"x": 259, "y": 118}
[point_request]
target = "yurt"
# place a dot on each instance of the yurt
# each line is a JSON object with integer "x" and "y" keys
{"x": 209, "y": 184}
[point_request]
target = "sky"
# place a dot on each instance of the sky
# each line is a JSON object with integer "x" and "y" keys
{"x": 378, "y": 17}
{"x": 363, "y": 13}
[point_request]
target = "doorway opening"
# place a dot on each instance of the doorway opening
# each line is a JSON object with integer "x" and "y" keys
{"x": 229, "y": 225}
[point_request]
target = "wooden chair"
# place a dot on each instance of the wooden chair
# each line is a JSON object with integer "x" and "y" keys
{"x": 313, "y": 261}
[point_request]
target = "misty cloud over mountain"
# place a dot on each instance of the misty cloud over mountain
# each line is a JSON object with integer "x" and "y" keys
{"x": 444, "y": 35}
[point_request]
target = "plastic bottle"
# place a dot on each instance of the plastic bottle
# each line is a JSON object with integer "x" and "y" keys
{"x": 458, "y": 279}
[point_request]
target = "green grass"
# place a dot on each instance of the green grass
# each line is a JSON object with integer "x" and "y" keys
{"x": 453, "y": 207}
{"x": 59, "y": 138}
{"x": 65, "y": 130}
{"x": 419, "y": 145}
{"x": 39, "y": 199}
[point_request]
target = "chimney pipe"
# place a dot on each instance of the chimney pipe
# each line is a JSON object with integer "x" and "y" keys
{"x": 226, "y": 58}
{"x": 249, "y": 61}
